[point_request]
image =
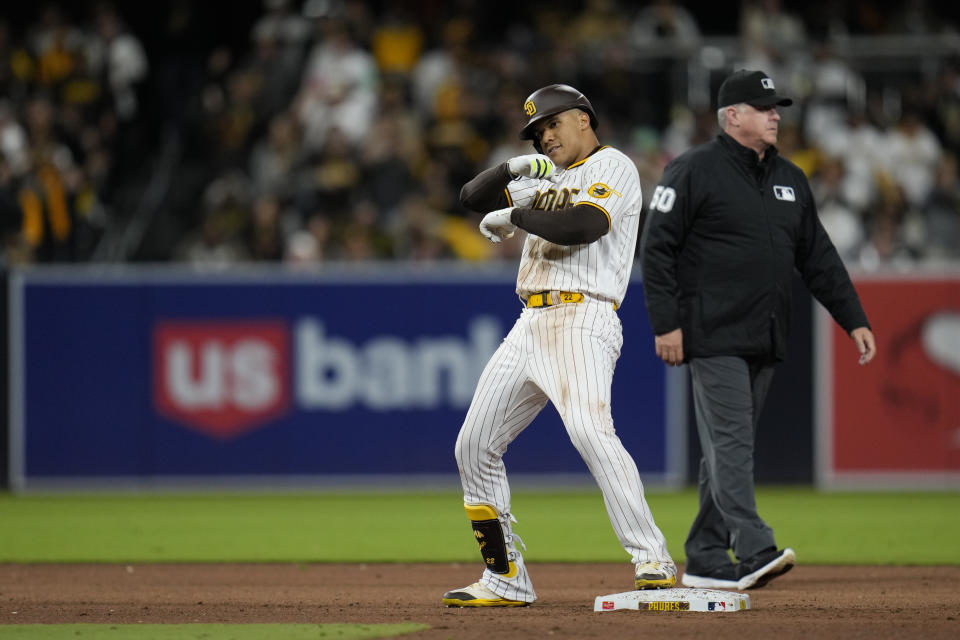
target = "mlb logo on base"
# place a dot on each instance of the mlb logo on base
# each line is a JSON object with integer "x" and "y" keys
{"x": 221, "y": 378}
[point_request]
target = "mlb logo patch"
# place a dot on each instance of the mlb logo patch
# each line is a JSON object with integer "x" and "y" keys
{"x": 767, "y": 83}
{"x": 784, "y": 193}
{"x": 607, "y": 605}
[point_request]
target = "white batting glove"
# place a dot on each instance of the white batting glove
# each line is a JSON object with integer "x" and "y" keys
{"x": 496, "y": 225}
{"x": 535, "y": 165}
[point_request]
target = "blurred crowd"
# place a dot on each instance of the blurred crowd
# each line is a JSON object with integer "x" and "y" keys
{"x": 342, "y": 130}
{"x": 68, "y": 131}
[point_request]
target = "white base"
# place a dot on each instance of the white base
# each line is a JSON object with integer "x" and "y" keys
{"x": 670, "y": 600}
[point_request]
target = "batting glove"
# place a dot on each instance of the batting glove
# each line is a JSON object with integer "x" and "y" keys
{"x": 534, "y": 165}
{"x": 496, "y": 225}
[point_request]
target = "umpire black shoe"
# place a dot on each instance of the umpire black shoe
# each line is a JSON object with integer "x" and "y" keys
{"x": 757, "y": 571}
{"x": 725, "y": 577}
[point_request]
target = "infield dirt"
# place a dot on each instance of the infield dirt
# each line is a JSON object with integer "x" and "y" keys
{"x": 809, "y": 602}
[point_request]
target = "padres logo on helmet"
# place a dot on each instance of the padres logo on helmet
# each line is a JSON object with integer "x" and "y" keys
{"x": 529, "y": 108}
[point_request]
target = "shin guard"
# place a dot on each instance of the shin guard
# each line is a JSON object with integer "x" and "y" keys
{"x": 493, "y": 544}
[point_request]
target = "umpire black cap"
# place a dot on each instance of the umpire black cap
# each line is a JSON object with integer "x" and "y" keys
{"x": 752, "y": 87}
{"x": 553, "y": 99}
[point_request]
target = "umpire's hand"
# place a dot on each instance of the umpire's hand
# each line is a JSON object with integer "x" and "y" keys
{"x": 866, "y": 344}
{"x": 670, "y": 347}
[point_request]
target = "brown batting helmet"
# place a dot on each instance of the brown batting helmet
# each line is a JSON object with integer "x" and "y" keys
{"x": 551, "y": 100}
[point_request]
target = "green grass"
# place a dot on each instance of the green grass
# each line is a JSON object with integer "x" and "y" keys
{"x": 824, "y": 528}
{"x": 865, "y": 528}
{"x": 207, "y": 631}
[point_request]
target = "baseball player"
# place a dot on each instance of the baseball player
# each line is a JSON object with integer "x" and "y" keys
{"x": 580, "y": 205}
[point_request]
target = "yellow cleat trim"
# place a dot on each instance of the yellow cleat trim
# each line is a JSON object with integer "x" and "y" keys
{"x": 477, "y": 602}
{"x": 656, "y": 584}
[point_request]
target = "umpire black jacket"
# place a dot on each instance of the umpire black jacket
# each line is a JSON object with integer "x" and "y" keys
{"x": 723, "y": 234}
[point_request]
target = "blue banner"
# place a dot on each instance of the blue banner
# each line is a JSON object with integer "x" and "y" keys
{"x": 149, "y": 373}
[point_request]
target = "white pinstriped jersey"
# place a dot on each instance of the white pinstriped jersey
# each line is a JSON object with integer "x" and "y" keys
{"x": 608, "y": 180}
{"x": 564, "y": 354}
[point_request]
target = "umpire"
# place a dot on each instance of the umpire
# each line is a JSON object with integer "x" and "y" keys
{"x": 726, "y": 227}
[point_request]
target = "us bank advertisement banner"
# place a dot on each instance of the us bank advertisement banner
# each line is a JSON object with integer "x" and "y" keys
{"x": 152, "y": 376}
{"x": 895, "y": 422}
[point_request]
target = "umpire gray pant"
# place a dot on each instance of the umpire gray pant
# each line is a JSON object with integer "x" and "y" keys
{"x": 728, "y": 395}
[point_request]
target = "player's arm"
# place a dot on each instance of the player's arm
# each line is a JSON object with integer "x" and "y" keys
{"x": 612, "y": 188}
{"x": 489, "y": 189}
{"x": 579, "y": 224}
